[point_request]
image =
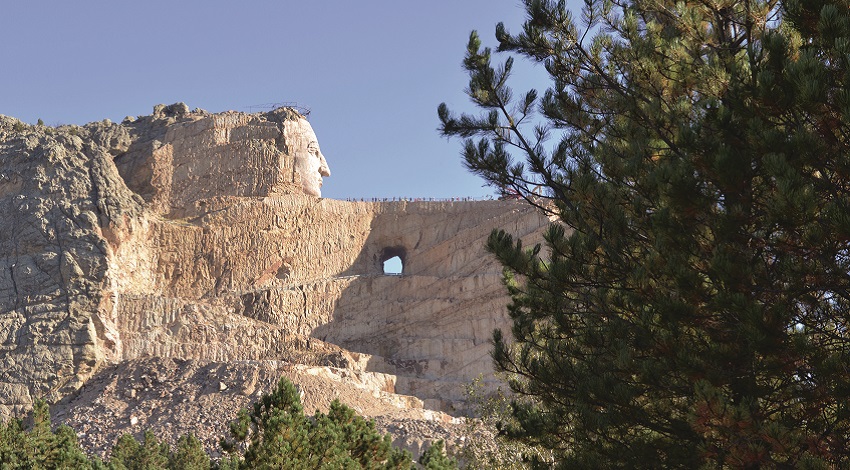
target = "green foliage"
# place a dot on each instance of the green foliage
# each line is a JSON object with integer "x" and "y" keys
{"x": 12, "y": 447}
{"x": 189, "y": 455}
{"x": 482, "y": 447}
{"x": 435, "y": 458}
{"x": 39, "y": 446}
{"x": 690, "y": 308}
{"x": 277, "y": 434}
{"x": 130, "y": 454}
{"x": 151, "y": 453}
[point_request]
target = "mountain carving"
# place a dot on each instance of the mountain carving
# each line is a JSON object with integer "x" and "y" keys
{"x": 189, "y": 247}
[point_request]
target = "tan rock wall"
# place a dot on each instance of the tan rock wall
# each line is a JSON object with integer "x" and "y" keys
{"x": 314, "y": 267}
{"x": 433, "y": 323}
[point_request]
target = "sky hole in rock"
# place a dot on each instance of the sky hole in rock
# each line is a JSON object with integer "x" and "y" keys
{"x": 393, "y": 266}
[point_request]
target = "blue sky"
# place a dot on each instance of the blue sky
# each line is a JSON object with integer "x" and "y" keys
{"x": 372, "y": 73}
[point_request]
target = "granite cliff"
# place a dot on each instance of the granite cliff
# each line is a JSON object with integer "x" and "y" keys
{"x": 183, "y": 261}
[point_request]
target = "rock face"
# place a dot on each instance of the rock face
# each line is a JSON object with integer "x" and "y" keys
{"x": 61, "y": 200}
{"x": 198, "y": 237}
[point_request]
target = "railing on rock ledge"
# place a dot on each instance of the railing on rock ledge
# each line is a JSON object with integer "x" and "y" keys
{"x": 305, "y": 111}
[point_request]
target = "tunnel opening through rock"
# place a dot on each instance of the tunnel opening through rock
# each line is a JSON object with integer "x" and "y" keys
{"x": 392, "y": 260}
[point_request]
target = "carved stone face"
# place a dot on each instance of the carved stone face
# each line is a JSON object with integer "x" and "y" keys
{"x": 309, "y": 161}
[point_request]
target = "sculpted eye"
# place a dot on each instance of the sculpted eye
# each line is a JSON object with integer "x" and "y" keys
{"x": 313, "y": 147}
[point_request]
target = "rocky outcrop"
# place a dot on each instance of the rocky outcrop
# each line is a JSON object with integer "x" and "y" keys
{"x": 61, "y": 200}
{"x": 187, "y": 236}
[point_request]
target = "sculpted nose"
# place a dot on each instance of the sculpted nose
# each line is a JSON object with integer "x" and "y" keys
{"x": 323, "y": 168}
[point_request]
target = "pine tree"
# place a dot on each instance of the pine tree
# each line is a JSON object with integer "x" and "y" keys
{"x": 435, "y": 458}
{"x": 277, "y": 434}
{"x": 12, "y": 437}
{"x": 188, "y": 455}
{"x": 130, "y": 454}
{"x": 39, "y": 445}
{"x": 690, "y": 306}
